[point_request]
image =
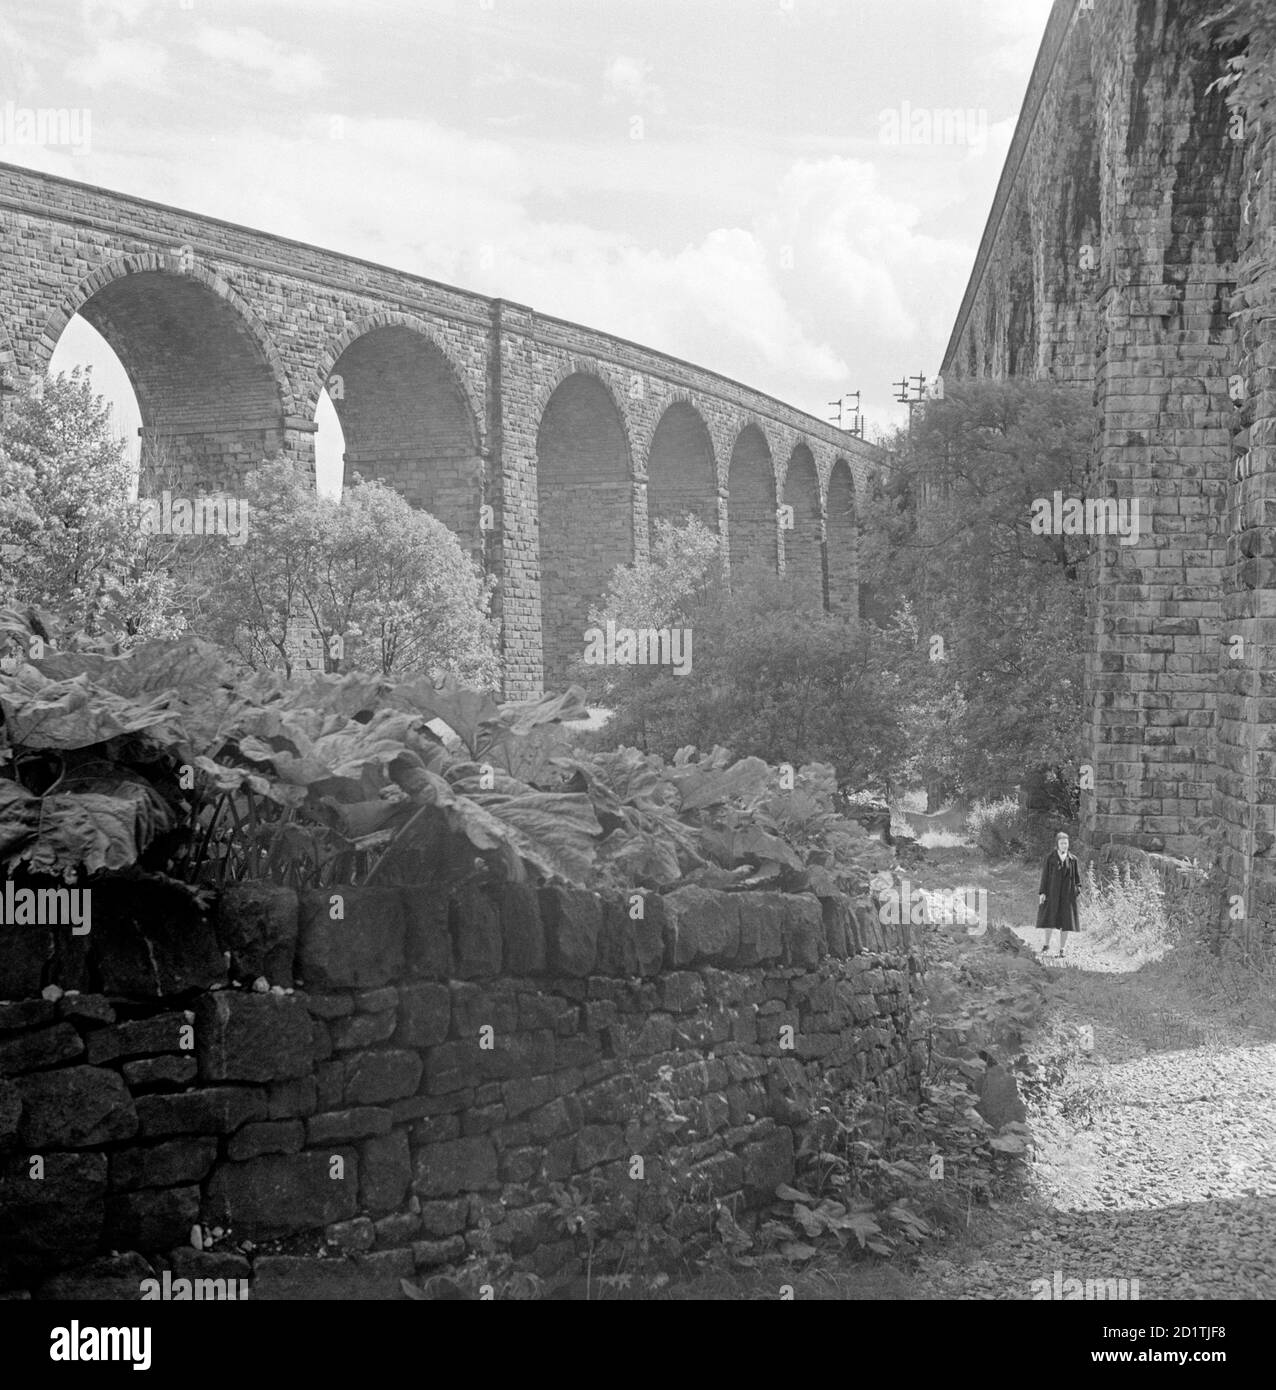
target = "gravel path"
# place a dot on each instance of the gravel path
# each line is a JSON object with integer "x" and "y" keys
{"x": 1155, "y": 1161}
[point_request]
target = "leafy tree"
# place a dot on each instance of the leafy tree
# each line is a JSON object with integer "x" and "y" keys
{"x": 770, "y": 679}
{"x": 69, "y": 535}
{"x": 385, "y": 587}
{"x": 997, "y": 613}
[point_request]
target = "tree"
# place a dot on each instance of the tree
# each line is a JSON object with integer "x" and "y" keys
{"x": 998, "y": 612}
{"x": 68, "y": 529}
{"x": 383, "y": 586}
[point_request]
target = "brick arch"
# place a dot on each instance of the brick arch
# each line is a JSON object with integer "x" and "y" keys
{"x": 408, "y": 418}
{"x": 584, "y": 509}
{"x": 752, "y": 528}
{"x": 181, "y": 337}
{"x": 368, "y": 323}
{"x": 682, "y": 466}
{"x": 804, "y": 541}
{"x": 841, "y": 541}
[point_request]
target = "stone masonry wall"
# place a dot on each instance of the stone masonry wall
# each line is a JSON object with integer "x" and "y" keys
{"x": 408, "y": 1073}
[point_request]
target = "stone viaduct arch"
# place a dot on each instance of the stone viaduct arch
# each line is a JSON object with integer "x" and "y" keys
{"x": 548, "y": 448}
{"x": 804, "y": 538}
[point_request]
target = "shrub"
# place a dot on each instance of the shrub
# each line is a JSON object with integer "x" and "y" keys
{"x": 999, "y": 828}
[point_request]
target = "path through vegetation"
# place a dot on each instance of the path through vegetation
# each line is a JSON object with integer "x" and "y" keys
{"x": 1155, "y": 1158}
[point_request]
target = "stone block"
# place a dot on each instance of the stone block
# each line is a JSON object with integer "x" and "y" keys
{"x": 455, "y": 1165}
{"x": 109, "y": 1278}
{"x": 385, "y": 1170}
{"x": 169, "y": 1164}
{"x": 572, "y": 918}
{"x": 522, "y": 931}
{"x": 761, "y": 927}
{"x": 252, "y": 1037}
{"x": 257, "y": 923}
{"x": 152, "y": 939}
{"x": 45, "y": 1047}
{"x": 475, "y": 920}
{"x": 767, "y": 1163}
{"x": 805, "y": 943}
{"x": 283, "y": 1193}
{"x": 159, "y": 1071}
{"x": 53, "y": 1221}
{"x": 351, "y": 938}
{"x": 425, "y": 1015}
{"x": 141, "y": 1037}
{"x": 26, "y": 955}
{"x": 373, "y": 1077}
{"x": 297, "y": 1097}
{"x": 700, "y": 926}
{"x": 215, "y": 1110}
{"x": 151, "y": 1219}
{"x": 428, "y": 935}
{"x": 266, "y": 1137}
{"x": 74, "y": 1108}
{"x": 361, "y": 1278}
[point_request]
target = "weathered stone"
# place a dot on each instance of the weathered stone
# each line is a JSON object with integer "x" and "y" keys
{"x": 151, "y": 1219}
{"x": 337, "y": 1126}
{"x": 429, "y": 937}
{"x": 74, "y": 1108}
{"x": 451, "y": 1066}
{"x": 297, "y": 1097}
{"x": 251, "y": 1037}
{"x": 521, "y": 929}
{"x": 266, "y": 1137}
{"x": 700, "y": 925}
{"x": 26, "y": 1013}
{"x": 446, "y": 1217}
{"x": 376, "y": 1001}
{"x": 372, "y": 1077}
{"x": 26, "y": 953}
{"x": 430, "y": 1254}
{"x": 330, "y": 1083}
{"x": 151, "y": 939}
{"x": 86, "y": 1009}
{"x": 597, "y": 1144}
{"x": 361, "y": 948}
{"x": 55, "y": 1220}
{"x": 157, "y": 1071}
{"x": 327, "y": 1006}
{"x": 189, "y": 1263}
{"x": 139, "y": 1038}
{"x": 761, "y": 917}
{"x": 425, "y": 1015}
{"x": 475, "y": 920}
{"x": 385, "y": 1172}
{"x": 362, "y": 1030}
{"x": 169, "y": 1164}
{"x": 572, "y": 919}
{"x": 46, "y": 1047}
{"x": 257, "y": 924}
{"x": 456, "y": 1165}
{"x": 293, "y": 1192}
{"x": 804, "y": 939}
{"x": 214, "y": 1110}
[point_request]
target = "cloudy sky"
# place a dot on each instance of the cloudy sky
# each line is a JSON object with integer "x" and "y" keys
{"x": 748, "y": 184}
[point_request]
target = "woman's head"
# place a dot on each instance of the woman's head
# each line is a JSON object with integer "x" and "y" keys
{"x": 1061, "y": 842}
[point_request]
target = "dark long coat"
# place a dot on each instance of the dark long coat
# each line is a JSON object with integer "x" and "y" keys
{"x": 1061, "y": 883}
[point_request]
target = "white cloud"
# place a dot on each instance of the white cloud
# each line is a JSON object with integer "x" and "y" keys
{"x": 139, "y": 64}
{"x": 287, "y": 70}
{"x": 627, "y": 79}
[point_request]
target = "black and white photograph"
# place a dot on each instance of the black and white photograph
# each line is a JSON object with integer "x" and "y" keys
{"x": 637, "y": 665}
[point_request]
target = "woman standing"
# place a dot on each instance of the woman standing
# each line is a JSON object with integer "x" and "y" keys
{"x": 1057, "y": 894}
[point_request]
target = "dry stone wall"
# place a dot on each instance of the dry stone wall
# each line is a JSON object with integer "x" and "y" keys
{"x": 409, "y": 1073}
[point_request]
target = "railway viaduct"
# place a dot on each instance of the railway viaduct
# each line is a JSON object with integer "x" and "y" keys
{"x": 547, "y": 447}
{"x": 1130, "y": 251}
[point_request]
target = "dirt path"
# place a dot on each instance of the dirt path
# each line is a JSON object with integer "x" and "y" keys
{"x": 1155, "y": 1160}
